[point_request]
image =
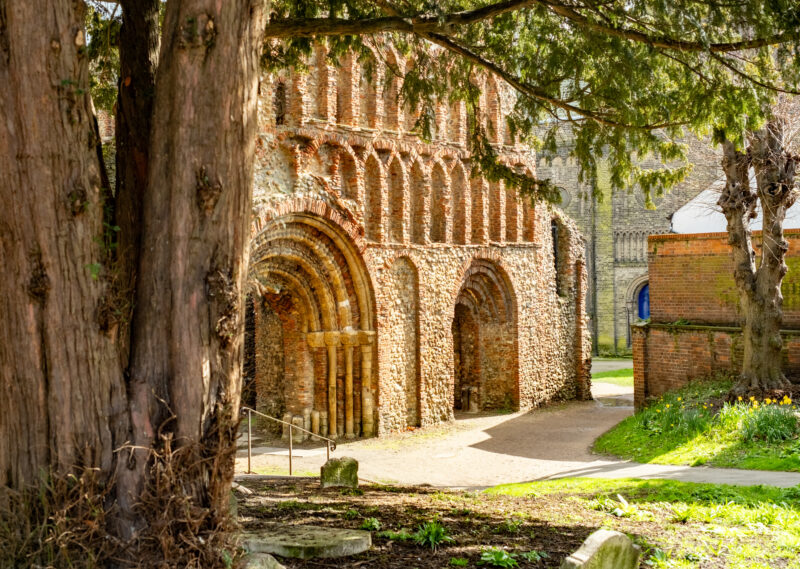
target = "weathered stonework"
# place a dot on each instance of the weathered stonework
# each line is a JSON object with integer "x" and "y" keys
{"x": 616, "y": 226}
{"x": 397, "y": 278}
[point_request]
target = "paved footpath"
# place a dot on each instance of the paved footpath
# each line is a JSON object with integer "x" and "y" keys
{"x": 482, "y": 451}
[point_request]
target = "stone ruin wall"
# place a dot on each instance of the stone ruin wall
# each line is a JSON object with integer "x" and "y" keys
{"x": 389, "y": 235}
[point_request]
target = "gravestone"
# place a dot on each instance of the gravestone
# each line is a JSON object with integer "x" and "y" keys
{"x": 605, "y": 549}
{"x": 339, "y": 472}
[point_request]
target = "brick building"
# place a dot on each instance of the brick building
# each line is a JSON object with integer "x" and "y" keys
{"x": 695, "y": 325}
{"x": 389, "y": 287}
{"x": 616, "y": 228}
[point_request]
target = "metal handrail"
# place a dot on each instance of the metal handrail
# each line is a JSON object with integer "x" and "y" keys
{"x": 330, "y": 444}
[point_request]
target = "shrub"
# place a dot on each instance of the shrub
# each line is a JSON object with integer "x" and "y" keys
{"x": 431, "y": 534}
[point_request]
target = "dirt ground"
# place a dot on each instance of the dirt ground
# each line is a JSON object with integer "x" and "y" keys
{"x": 553, "y": 525}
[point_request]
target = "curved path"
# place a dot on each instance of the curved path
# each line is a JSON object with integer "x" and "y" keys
{"x": 481, "y": 451}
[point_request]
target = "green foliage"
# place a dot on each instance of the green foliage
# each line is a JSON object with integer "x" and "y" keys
{"x": 771, "y": 423}
{"x": 692, "y": 426}
{"x": 534, "y": 556}
{"x": 658, "y": 558}
{"x": 371, "y": 524}
{"x": 459, "y": 561}
{"x": 103, "y": 21}
{"x": 350, "y": 514}
{"x": 401, "y": 535}
{"x": 497, "y": 558}
{"x": 621, "y": 79}
{"x": 432, "y": 534}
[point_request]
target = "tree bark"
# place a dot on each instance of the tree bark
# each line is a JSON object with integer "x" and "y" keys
{"x": 62, "y": 398}
{"x": 138, "y": 56}
{"x": 185, "y": 374}
{"x": 759, "y": 286}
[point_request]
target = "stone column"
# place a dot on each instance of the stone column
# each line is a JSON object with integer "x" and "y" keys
{"x": 366, "y": 339}
{"x": 331, "y": 341}
{"x": 349, "y": 340}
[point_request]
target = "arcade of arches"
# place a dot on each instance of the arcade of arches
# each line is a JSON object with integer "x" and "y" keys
{"x": 389, "y": 288}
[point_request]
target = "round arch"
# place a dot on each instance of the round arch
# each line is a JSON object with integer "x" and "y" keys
{"x": 314, "y": 338}
{"x": 485, "y": 355}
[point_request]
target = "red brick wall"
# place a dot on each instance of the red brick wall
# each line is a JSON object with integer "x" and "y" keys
{"x": 691, "y": 278}
{"x": 667, "y": 357}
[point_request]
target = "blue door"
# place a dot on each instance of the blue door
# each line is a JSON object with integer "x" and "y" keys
{"x": 644, "y": 302}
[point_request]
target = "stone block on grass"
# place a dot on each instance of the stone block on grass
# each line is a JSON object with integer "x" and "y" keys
{"x": 339, "y": 472}
{"x": 605, "y": 549}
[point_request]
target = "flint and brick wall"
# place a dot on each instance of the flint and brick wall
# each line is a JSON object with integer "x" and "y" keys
{"x": 378, "y": 236}
{"x": 695, "y": 327}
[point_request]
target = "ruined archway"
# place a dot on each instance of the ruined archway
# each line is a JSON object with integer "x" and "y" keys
{"x": 484, "y": 327}
{"x": 314, "y": 333}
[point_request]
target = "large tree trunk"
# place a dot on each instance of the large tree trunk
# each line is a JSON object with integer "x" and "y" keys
{"x": 186, "y": 349}
{"x": 62, "y": 394}
{"x": 759, "y": 287}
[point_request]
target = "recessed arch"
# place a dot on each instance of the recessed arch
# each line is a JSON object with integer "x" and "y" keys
{"x": 397, "y": 183}
{"x": 313, "y": 298}
{"x": 373, "y": 198}
{"x": 484, "y": 329}
{"x": 417, "y": 197}
{"x": 461, "y": 203}
{"x": 440, "y": 194}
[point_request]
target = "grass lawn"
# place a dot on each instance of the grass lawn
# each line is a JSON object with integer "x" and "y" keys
{"x": 696, "y": 426}
{"x": 537, "y": 524}
{"x": 617, "y": 377}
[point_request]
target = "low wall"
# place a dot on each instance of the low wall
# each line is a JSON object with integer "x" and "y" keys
{"x": 666, "y": 356}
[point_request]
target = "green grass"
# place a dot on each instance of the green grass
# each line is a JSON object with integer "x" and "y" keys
{"x": 617, "y": 377}
{"x": 748, "y": 526}
{"x": 691, "y": 426}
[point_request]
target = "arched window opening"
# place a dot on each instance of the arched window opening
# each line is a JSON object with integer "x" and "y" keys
{"x": 279, "y": 104}
{"x": 643, "y": 302}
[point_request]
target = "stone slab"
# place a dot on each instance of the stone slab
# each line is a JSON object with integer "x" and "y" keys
{"x": 605, "y": 549}
{"x": 261, "y": 561}
{"x": 306, "y": 542}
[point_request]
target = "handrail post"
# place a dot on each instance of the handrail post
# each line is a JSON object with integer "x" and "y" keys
{"x": 291, "y": 428}
{"x": 249, "y": 439}
{"x": 328, "y": 448}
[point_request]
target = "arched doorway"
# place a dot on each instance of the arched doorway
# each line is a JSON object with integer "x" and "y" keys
{"x": 643, "y": 302}
{"x": 484, "y": 331}
{"x": 313, "y": 332}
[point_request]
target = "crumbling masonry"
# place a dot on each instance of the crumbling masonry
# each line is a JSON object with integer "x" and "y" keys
{"x": 389, "y": 287}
